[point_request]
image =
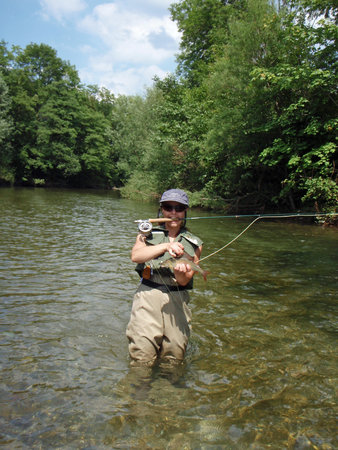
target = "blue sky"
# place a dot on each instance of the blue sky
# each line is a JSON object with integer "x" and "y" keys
{"x": 119, "y": 44}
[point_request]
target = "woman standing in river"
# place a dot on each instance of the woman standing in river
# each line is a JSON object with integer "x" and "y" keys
{"x": 159, "y": 325}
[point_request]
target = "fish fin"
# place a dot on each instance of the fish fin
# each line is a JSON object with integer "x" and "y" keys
{"x": 205, "y": 273}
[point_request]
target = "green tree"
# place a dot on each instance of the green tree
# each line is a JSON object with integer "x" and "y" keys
{"x": 6, "y": 127}
{"x": 62, "y": 131}
{"x": 173, "y": 127}
{"x": 130, "y": 130}
{"x": 29, "y": 73}
{"x": 204, "y": 28}
{"x": 94, "y": 139}
{"x": 302, "y": 91}
{"x": 272, "y": 133}
{"x": 73, "y": 137}
{"x": 181, "y": 121}
{"x": 232, "y": 149}
{"x": 56, "y": 135}
{"x": 144, "y": 139}
{"x": 41, "y": 66}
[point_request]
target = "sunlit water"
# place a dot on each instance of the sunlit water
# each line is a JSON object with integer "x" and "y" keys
{"x": 261, "y": 367}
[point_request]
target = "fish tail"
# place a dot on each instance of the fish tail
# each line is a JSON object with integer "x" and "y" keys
{"x": 205, "y": 273}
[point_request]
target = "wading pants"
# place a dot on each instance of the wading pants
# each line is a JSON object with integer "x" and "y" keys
{"x": 159, "y": 324}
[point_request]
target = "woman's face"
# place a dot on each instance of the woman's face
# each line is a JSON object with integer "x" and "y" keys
{"x": 173, "y": 210}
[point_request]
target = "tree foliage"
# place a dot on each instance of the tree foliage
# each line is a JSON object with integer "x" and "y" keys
{"x": 271, "y": 133}
{"x": 238, "y": 108}
{"x": 6, "y": 128}
{"x": 204, "y": 28}
{"x": 61, "y": 130}
{"x": 248, "y": 120}
{"x": 303, "y": 88}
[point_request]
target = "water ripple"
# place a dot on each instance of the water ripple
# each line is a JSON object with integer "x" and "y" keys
{"x": 260, "y": 370}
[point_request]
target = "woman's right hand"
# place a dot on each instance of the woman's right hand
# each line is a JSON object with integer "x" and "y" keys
{"x": 175, "y": 249}
{"x": 141, "y": 252}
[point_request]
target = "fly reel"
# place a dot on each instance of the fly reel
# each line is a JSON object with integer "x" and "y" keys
{"x": 145, "y": 227}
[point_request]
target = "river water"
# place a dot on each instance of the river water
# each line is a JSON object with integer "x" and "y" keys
{"x": 261, "y": 367}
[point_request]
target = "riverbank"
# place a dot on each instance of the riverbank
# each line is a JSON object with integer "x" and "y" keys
{"x": 214, "y": 205}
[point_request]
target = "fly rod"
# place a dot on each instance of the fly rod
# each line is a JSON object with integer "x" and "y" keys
{"x": 145, "y": 225}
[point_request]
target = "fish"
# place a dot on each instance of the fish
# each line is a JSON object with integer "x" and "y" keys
{"x": 184, "y": 259}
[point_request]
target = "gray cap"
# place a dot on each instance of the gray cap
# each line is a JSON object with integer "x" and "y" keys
{"x": 175, "y": 195}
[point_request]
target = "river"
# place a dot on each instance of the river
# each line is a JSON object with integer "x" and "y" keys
{"x": 261, "y": 367}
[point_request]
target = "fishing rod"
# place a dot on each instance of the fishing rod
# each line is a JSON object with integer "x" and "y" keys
{"x": 262, "y": 216}
{"x": 145, "y": 226}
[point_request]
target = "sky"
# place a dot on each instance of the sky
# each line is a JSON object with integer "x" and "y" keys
{"x": 118, "y": 44}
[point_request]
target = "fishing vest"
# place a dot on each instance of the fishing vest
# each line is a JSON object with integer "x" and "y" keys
{"x": 159, "y": 235}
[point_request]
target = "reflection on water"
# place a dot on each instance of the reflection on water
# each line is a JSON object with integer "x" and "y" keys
{"x": 260, "y": 370}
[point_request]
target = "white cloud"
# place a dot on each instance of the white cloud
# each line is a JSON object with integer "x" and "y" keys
{"x": 125, "y": 43}
{"x": 131, "y": 37}
{"x": 133, "y": 46}
{"x": 120, "y": 79}
{"x": 150, "y": 6}
{"x": 61, "y": 9}
{"x": 158, "y": 3}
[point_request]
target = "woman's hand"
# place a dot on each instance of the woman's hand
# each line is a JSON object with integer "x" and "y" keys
{"x": 182, "y": 268}
{"x": 183, "y": 271}
{"x": 142, "y": 252}
{"x": 175, "y": 249}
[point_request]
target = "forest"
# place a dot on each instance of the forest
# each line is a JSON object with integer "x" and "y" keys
{"x": 247, "y": 123}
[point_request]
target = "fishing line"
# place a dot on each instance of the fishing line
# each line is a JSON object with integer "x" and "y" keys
{"x": 266, "y": 216}
{"x": 263, "y": 216}
{"x": 167, "y": 287}
{"x": 145, "y": 226}
{"x": 233, "y": 240}
{"x": 146, "y": 222}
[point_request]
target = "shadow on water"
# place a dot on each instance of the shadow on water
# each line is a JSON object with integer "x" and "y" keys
{"x": 260, "y": 370}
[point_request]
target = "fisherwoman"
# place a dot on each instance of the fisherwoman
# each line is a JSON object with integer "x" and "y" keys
{"x": 159, "y": 325}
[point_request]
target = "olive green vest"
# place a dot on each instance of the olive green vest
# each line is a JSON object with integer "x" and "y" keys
{"x": 189, "y": 241}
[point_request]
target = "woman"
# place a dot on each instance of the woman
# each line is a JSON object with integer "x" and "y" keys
{"x": 159, "y": 325}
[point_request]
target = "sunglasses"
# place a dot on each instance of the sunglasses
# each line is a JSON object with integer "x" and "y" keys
{"x": 177, "y": 208}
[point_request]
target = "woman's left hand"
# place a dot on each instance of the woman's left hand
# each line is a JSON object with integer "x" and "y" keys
{"x": 182, "y": 268}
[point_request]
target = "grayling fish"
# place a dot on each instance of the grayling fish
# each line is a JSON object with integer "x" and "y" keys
{"x": 185, "y": 259}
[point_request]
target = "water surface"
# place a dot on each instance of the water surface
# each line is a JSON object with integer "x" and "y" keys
{"x": 260, "y": 370}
